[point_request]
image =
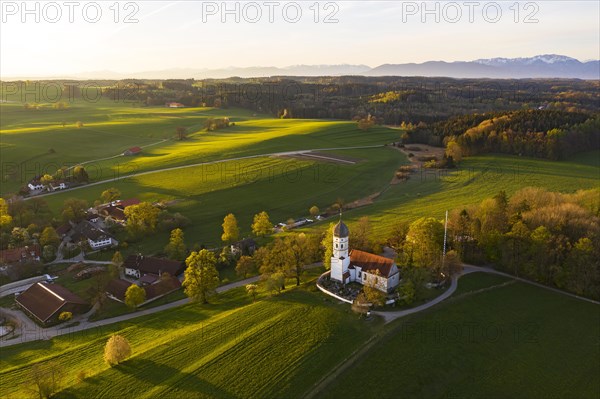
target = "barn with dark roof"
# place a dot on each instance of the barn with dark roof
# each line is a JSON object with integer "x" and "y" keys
{"x": 45, "y": 302}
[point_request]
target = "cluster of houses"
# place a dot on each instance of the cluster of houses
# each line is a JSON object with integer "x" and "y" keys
{"x": 93, "y": 228}
{"x": 36, "y": 186}
{"x": 45, "y": 301}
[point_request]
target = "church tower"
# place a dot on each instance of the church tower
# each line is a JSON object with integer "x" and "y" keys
{"x": 340, "y": 260}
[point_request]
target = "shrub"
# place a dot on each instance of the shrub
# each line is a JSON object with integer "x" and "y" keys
{"x": 65, "y": 316}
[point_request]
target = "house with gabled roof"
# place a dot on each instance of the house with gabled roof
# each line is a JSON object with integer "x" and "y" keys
{"x": 26, "y": 254}
{"x": 138, "y": 266}
{"x": 359, "y": 266}
{"x": 95, "y": 237}
{"x": 45, "y": 302}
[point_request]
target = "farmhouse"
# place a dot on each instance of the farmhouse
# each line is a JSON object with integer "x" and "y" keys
{"x": 138, "y": 266}
{"x": 95, "y": 237}
{"x": 174, "y": 105}
{"x": 25, "y": 254}
{"x": 57, "y": 185}
{"x": 45, "y": 302}
{"x": 35, "y": 185}
{"x": 132, "y": 151}
{"x": 246, "y": 246}
{"x": 359, "y": 266}
{"x": 117, "y": 288}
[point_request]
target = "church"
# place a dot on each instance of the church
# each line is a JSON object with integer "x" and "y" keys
{"x": 359, "y": 266}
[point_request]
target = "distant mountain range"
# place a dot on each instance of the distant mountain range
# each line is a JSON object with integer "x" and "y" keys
{"x": 540, "y": 66}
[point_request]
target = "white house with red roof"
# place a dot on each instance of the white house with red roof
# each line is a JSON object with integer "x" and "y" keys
{"x": 359, "y": 266}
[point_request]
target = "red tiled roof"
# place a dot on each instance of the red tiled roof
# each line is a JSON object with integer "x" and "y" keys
{"x": 135, "y": 149}
{"x": 44, "y": 300}
{"x": 370, "y": 262}
{"x": 20, "y": 254}
{"x": 162, "y": 287}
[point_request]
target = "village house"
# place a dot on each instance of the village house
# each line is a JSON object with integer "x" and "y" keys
{"x": 95, "y": 237}
{"x": 246, "y": 246}
{"x": 27, "y": 254}
{"x": 35, "y": 185}
{"x": 138, "y": 266}
{"x": 117, "y": 288}
{"x": 174, "y": 105}
{"x": 45, "y": 302}
{"x": 359, "y": 266}
{"x": 57, "y": 185}
{"x": 116, "y": 209}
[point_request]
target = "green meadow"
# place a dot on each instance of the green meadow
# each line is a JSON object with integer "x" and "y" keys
{"x": 510, "y": 341}
{"x": 276, "y": 347}
{"x": 35, "y": 141}
{"x": 286, "y": 188}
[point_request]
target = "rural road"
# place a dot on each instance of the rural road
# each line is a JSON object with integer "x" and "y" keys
{"x": 32, "y": 332}
{"x": 149, "y": 172}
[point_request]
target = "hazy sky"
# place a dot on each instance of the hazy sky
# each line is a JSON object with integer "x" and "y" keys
{"x": 192, "y": 34}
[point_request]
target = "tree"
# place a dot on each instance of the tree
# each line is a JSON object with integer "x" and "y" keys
{"x": 262, "y": 226}
{"x": 110, "y": 195}
{"x": 46, "y": 179}
{"x": 74, "y": 209}
{"x": 360, "y": 304}
{"x": 65, "y": 316}
{"x": 275, "y": 282}
{"x": 201, "y": 276}
{"x": 372, "y": 293}
{"x": 141, "y": 218}
{"x": 5, "y": 217}
{"x": 80, "y": 174}
{"x": 134, "y": 296}
{"x": 407, "y": 292}
{"x": 360, "y": 234}
{"x": 176, "y": 248}
{"x": 327, "y": 244}
{"x": 117, "y": 350}
{"x": 314, "y": 211}
{"x": 252, "y": 290}
{"x": 181, "y": 132}
{"x": 244, "y": 266}
{"x": 366, "y": 123}
{"x": 298, "y": 249}
{"x": 453, "y": 150}
{"x": 48, "y": 253}
{"x": 117, "y": 259}
{"x": 424, "y": 242}
{"x": 278, "y": 259}
{"x": 79, "y": 124}
{"x": 231, "y": 231}
{"x": 49, "y": 237}
{"x": 452, "y": 264}
{"x": 47, "y": 378}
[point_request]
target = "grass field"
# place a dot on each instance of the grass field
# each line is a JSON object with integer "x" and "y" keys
{"x": 35, "y": 141}
{"x": 512, "y": 341}
{"x": 276, "y": 347}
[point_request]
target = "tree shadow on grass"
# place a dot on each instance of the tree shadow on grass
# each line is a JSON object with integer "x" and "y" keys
{"x": 169, "y": 376}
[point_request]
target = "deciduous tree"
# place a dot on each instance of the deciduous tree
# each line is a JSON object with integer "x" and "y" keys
{"x": 117, "y": 350}
{"x": 110, "y": 195}
{"x": 201, "y": 276}
{"x": 231, "y": 231}
{"x": 176, "y": 248}
{"x": 244, "y": 266}
{"x": 262, "y": 226}
{"x": 134, "y": 296}
{"x": 49, "y": 237}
